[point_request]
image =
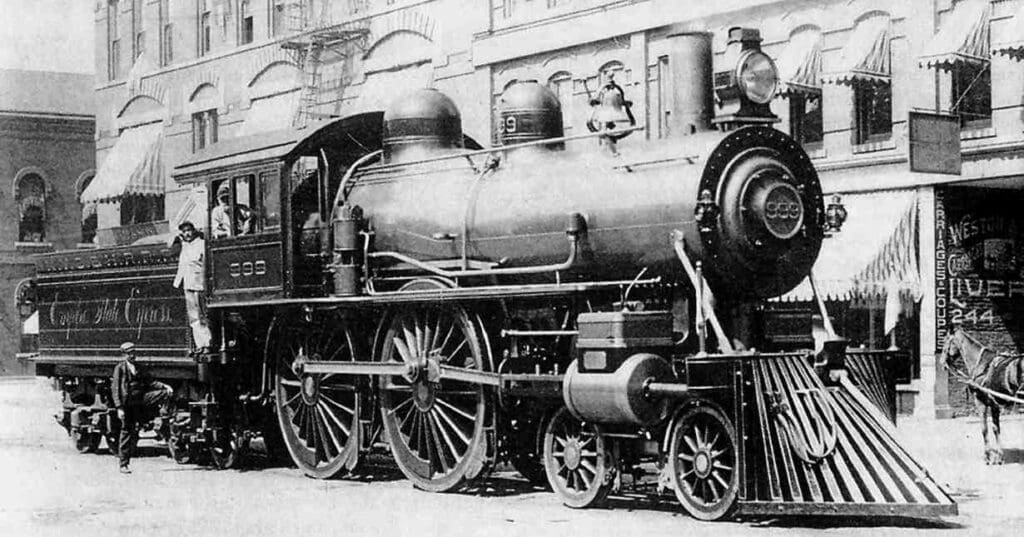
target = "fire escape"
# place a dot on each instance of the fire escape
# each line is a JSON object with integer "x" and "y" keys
{"x": 313, "y": 36}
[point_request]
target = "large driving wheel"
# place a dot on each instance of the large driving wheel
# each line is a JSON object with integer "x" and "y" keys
{"x": 435, "y": 425}
{"x": 703, "y": 462}
{"x": 318, "y": 414}
{"x": 577, "y": 461}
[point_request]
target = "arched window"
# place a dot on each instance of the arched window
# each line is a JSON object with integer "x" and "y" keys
{"x": 89, "y": 218}
{"x": 30, "y": 193}
{"x": 616, "y": 70}
{"x": 560, "y": 84}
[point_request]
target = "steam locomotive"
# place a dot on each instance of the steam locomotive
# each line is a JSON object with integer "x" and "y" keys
{"x": 551, "y": 303}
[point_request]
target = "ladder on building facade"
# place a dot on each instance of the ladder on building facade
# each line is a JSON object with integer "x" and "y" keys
{"x": 310, "y": 36}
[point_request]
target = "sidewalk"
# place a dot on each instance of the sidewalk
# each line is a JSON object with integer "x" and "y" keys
{"x": 953, "y": 452}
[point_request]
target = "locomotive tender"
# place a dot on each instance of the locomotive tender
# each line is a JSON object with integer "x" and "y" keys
{"x": 544, "y": 303}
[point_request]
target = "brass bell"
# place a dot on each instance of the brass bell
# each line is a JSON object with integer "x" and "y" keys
{"x": 611, "y": 111}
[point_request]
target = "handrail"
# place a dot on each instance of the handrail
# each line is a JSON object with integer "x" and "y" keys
{"x": 723, "y": 342}
{"x": 340, "y": 196}
{"x": 555, "y": 267}
{"x": 489, "y": 150}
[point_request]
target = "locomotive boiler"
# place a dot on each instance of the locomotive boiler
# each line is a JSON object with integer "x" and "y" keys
{"x": 544, "y": 303}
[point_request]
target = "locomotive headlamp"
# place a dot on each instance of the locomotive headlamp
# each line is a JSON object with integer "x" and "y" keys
{"x": 835, "y": 215}
{"x": 748, "y": 84}
{"x": 757, "y": 76}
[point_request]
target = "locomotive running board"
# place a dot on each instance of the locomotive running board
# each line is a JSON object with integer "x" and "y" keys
{"x": 813, "y": 449}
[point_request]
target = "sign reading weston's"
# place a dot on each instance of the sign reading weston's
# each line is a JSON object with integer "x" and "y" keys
{"x": 980, "y": 267}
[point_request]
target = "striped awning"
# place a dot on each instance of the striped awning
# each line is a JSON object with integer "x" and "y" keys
{"x": 132, "y": 167}
{"x": 800, "y": 64}
{"x": 866, "y": 56}
{"x": 876, "y": 247}
{"x": 962, "y": 38}
{"x": 1013, "y": 44}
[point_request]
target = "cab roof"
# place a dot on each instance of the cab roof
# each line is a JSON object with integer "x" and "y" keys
{"x": 359, "y": 131}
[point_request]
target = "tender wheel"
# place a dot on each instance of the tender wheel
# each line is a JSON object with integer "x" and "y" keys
{"x": 85, "y": 442}
{"x": 703, "y": 463}
{"x": 577, "y": 461}
{"x": 179, "y": 448}
{"x": 435, "y": 425}
{"x": 317, "y": 414}
{"x": 225, "y": 451}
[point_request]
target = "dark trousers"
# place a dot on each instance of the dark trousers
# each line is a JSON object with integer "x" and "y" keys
{"x": 135, "y": 413}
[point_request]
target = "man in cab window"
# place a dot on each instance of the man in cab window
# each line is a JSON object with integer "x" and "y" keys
{"x": 221, "y": 222}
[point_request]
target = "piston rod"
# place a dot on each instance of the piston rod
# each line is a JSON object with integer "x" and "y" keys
{"x": 666, "y": 389}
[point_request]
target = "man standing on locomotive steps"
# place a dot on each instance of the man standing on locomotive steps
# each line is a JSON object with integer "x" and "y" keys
{"x": 191, "y": 273}
{"x": 134, "y": 391}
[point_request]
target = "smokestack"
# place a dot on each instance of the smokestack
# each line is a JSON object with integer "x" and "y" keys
{"x": 692, "y": 105}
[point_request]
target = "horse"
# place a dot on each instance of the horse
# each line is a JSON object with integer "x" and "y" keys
{"x": 995, "y": 380}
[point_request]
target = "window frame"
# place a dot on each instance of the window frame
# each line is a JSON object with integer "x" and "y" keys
{"x": 867, "y": 118}
{"x": 35, "y": 201}
{"x": 204, "y": 36}
{"x": 205, "y": 126}
{"x": 246, "y": 23}
{"x": 978, "y": 82}
{"x": 166, "y": 33}
{"x": 798, "y": 119}
{"x": 113, "y": 41}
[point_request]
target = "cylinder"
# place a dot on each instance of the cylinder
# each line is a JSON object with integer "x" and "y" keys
{"x": 690, "y": 66}
{"x": 619, "y": 397}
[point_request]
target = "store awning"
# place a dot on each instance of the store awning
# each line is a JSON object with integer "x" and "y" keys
{"x": 866, "y": 55}
{"x": 1013, "y": 44}
{"x": 962, "y": 38}
{"x": 132, "y": 167}
{"x": 800, "y": 64}
{"x": 876, "y": 247}
{"x": 270, "y": 113}
{"x": 30, "y": 326}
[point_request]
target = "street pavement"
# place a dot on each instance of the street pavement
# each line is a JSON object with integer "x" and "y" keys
{"x": 46, "y": 488}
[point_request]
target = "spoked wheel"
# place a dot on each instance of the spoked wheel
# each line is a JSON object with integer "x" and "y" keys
{"x": 435, "y": 425}
{"x": 85, "y": 442}
{"x": 318, "y": 414}
{"x": 225, "y": 450}
{"x": 180, "y": 449}
{"x": 577, "y": 461}
{"x": 703, "y": 463}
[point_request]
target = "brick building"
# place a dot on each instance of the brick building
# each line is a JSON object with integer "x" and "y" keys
{"x": 47, "y": 158}
{"x": 178, "y": 75}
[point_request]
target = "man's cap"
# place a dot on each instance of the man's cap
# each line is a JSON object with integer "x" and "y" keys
{"x": 223, "y": 189}
{"x": 127, "y": 347}
{"x": 186, "y": 224}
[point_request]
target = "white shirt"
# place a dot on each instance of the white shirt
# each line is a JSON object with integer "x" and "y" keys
{"x": 190, "y": 265}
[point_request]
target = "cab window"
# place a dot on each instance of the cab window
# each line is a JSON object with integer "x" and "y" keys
{"x": 270, "y": 193}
